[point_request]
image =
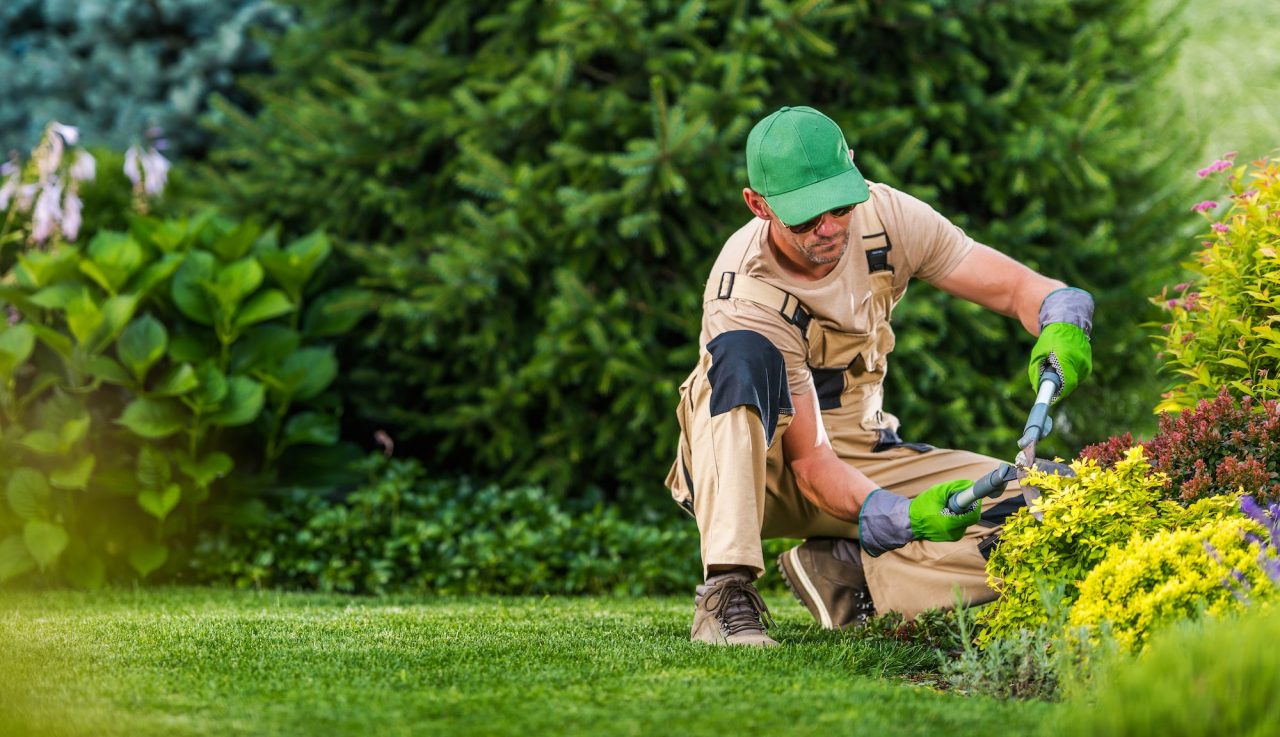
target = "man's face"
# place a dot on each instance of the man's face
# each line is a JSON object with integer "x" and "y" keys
{"x": 823, "y": 245}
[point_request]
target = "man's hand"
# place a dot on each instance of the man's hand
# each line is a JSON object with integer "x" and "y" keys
{"x": 889, "y": 521}
{"x": 1066, "y": 317}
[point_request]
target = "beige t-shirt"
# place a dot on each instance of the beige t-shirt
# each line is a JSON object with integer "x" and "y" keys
{"x": 853, "y": 303}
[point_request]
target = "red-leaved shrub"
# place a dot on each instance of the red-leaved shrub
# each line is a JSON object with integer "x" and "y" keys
{"x": 1216, "y": 448}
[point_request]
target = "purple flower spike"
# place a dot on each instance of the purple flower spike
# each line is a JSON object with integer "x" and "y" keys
{"x": 1220, "y": 227}
{"x": 1204, "y": 206}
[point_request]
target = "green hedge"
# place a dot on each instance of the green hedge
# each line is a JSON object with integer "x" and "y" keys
{"x": 540, "y": 191}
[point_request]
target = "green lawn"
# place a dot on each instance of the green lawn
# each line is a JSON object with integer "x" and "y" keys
{"x": 193, "y": 661}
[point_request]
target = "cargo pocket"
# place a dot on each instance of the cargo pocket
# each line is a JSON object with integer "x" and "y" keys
{"x": 679, "y": 478}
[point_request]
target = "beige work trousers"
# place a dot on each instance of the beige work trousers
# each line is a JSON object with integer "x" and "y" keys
{"x": 742, "y": 491}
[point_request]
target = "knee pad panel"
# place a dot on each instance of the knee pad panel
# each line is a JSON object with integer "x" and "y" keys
{"x": 748, "y": 370}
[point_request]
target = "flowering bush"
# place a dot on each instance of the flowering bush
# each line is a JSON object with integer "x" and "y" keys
{"x": 42, "y": 202}
{"x": 1173, "y": 575}
{"x": 1083, "y": 517}
{"x": 1220, "y": 447}
{"x": 1222, "y": 328}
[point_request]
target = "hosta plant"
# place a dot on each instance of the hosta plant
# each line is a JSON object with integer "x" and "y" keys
{"x": 140, "y": 368}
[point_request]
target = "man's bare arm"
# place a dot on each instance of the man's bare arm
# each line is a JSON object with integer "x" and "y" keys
{"x": 997, "y": 282}
{"x": 834, "y": 486}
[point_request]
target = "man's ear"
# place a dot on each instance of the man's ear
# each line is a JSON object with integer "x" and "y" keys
{"x": 756, "y": 203}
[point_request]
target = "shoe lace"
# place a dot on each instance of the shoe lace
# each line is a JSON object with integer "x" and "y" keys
{"x": 739, "y": 608}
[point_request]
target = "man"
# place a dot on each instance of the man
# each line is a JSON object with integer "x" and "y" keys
{"x": 783, "y": 433}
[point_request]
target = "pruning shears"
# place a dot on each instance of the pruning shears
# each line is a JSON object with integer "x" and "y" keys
{"x": 1038, "y": 426}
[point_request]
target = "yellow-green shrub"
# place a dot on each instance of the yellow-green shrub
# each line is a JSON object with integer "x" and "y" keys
{"x": 1083, "y": 517}
{"x": 1171, "y": 576}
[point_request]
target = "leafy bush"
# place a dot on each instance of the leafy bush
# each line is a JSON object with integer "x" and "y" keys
{"x": 403, "y": 532}
{"x": 1221, "y": 447}
{"x": 119, "y": 67}
{"x": 1222, "y": 329}
{"x": 1208, "y": 678}
{"x": 548, "y": 187}
{"x": 140, "y": 368}
{"x": 1174, "y": 575}
{"x": 1083, "y": 518}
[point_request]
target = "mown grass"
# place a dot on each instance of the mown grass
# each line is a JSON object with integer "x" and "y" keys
{"x": 197, "y": 661}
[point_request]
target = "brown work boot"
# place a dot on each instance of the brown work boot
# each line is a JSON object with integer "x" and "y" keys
{"x": 729, "y": 611}
{"x": 834, "y": 589}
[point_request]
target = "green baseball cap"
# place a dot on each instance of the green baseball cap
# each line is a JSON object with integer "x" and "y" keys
{"x": 798, "y": 160}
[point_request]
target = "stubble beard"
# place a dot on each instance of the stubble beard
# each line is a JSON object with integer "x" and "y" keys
{"x": 811, "y": 254}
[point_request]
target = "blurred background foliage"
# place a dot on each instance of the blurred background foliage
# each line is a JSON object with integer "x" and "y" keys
{"x": 539, "y": 194}
{"x": 530, "y": 197}
{"x": 119, "y": 67}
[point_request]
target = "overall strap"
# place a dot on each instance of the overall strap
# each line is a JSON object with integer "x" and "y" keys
{"x": 741, "y": 286}
{"x": 875, "y": 241}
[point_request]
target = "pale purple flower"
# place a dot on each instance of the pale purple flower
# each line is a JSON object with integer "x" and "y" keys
{"x": 26, "y": 197}
{"x": 47, "y": 213}
{"x": 84, "y": 168}
{"x": 69, "y": 133}
{"x": 1205, "y": 206}
{"x": 155, "y": 168}
{"x": 1220, "y": 227}
{"x": 71, "y": 207}
{"x": 47, "y": 160}
{"x": 131, "y": 168}
{"x": 9, "y": 170}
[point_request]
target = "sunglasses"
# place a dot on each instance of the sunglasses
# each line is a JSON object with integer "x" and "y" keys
{"x": 812, "y": 223}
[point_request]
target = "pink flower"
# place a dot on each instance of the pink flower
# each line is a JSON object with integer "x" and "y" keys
{"x": 1220, "y": 227}
{"x": 1205, "y": 206}
{"x": 156, "y": 169}
{"x": 47, "y": 213}
{"x": 1216, "y": 166}
{"x": 83, "y": 168}
{"x": 131, "y": 168}
{"x": 1181, "y": 287}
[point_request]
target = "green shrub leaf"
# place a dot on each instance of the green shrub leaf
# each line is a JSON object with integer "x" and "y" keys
{"x": 141, "y": 344}
{"x": 160, "y": 502}
{"x": 153, "y": 470}
{"x": 265, "y": 305}
{"x": 45, "y": 541}
{"x": 28, "y": 493}
{"x": 190, "y": 288}
{"x": 292, "y": 266}
{"x": 146, "y": 558}
{"x": 114, "y": 257}
{"x": 236, "y": 243}
{"x": 57, "y": 296}
{"x": 264, "y": 346}
{"x": 15, "y": 560}
{"x": 176, "y": 381}
{"x": 307, "y": 372}
{"x": 153, "y": 418}
{"x": 235, "y": 281}
{"x": 310, "y": 428}
{"x": 212, "y": 389}
{"x": 242, "y": 403}
{"x": 16, "y": 344}
{"x": 84, "y": 317}
{"x": 72, "y": 432}
{"x": 109, "y": 370}
{"x": 208, "y": 469}
{"x": 73, "y": 477}
{"x": 154, "y": 273}
{"x": 41, "y": 441}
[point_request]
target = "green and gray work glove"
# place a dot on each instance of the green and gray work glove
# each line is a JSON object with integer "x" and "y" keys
{"x": 888, "y": 521}
{"x": 1066, "y": 318}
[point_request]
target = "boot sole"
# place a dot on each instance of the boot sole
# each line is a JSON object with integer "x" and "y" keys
{"x": 817, "y": 609}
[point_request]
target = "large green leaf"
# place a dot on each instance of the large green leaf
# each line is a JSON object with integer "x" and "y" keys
{"x": 117, "y": 311}
{"x": 310, "y": 428}
{"x": 236, "y": 242}
{"x": 338, "y": 311}
{"x": 16, "y": 344}
{"x": 84, "y": 317}
{"x": 242, "y": 404}
{"x": 141, "y": 344}
{"x": 208, "y": 469}
{"x": 235, "y": 281}
{"x": 57, "y": 296}
{"x": 146, "y": 558}
{"x": 160, "y": 502}
{"x": 45, "y": 541}
{"x": 37, "y": 269}
{"x": 292, "y": 266}
{"x": 41, "y": 441}
{"x": 28, "y": 493}
{"x": 56, "y": 341}
{"x": 265, "y": 305}
{"x": 73, "y": 431}
{"x": 153, "y": 418}
{"x": 176, "y": 381}
{"x": 165, "y": 235}
{"x": 190, "y": 288}
{"x": 154, "y": 273}
{"x": 74, "y": 476}
{"x": 306, "y": 372}
{"x": 263, "y": 346}
{"x": 115, "y": 256}
{"x": 212, "y": 389}
{"x": 185, "y": 345}
{"x": 153, "y": 470}
{"x": 110, "y": 371}
{"x": 15, "y": 560}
